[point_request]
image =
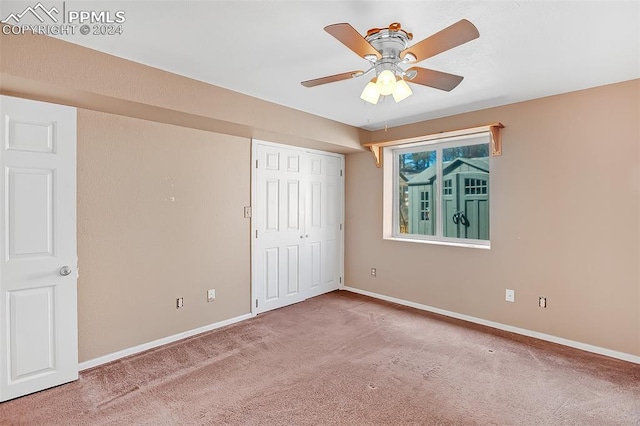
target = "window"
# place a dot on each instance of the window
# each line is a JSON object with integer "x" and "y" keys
{"x": 475, "y": 186}
{"x": 424, "y": 205}
{"x": 439, "y": 191}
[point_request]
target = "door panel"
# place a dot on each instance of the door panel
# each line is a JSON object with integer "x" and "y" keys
{"x": 30, "y": 211}
{"x": 316, "y": 205}
{"x": 279, "y": 219}
{"x": 272, "y": 194}
{"x": 332, "y": 198}
{"x": 32, "y": 325}
{"x": 330, "y": 266}
{"x": 38, "y": 328}
{"x": 323, "y": 227}
{"x": 271, "y": 273}
{"x": 293, "y": 270}
{"x": 316, "y": 265}
{"x": 27, "y": 134}
{"x": 293, "y": 205}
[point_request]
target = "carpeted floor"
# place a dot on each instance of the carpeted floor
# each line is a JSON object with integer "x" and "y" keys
{"x": 345, "y": 359}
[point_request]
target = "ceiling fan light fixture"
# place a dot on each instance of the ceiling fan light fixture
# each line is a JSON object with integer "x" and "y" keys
{"x": 402, "y": 91}
{"x": 370, "y": 93}
{"x": 388, "y": 51}
{"x": 386, "y": 83}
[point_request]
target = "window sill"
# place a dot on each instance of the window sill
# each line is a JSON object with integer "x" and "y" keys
{"x": 486, "y": 246}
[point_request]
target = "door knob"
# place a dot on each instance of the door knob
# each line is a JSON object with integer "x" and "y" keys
{"x": 65, "y": 270}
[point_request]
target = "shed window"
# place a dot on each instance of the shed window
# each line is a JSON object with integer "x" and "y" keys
{"x": 475, "y": 186}
{"x": 447, "y": 188}
{"x": 424, "y": 205}
{"x": 442, "y": 190}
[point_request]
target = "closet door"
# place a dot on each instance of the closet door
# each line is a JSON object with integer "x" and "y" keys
{"x": 279, "y": 227}
{"x": 323, "y": 223}
{"x": 297, "y": 225}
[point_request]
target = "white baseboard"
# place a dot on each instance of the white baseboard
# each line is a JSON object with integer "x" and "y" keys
{"x": 165, "y": 340}
{"x": 549, "y": 338}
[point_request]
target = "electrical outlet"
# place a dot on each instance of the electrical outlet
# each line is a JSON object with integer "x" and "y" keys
{"x": 211, "y": 295}
{"x": 542, "y": 302}
{"x": 179, "y": 302}
{"x": 373, "y": 272}
{"x": 510, "y": 295}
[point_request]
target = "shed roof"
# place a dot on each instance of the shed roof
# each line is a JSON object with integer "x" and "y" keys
{"x": 429, "y": 174}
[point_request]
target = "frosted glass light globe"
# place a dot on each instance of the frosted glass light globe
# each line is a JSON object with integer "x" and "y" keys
{"x": 370, "y": 93}
{"x": 402, "y": 91}
{"x": 386, "y": 83}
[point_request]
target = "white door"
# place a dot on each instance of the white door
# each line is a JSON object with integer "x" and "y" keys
{"x": 297, "y": 222}
{"x": 38, "y": 274}
{"x": 279, "y": 227}
{"x": 324, "y": 223}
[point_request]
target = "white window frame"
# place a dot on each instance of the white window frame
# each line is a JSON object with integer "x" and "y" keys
{"x": 391, "y": 228}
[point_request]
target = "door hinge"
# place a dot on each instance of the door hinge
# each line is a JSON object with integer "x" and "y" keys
{"x": 340, "y": 172}
{"x": 340, "y": 280}
{"x": 256, "y": 303}
{"x": 256, "y": 164}
{"x": 256, "y": 233}
{"x": 341, "y": 227}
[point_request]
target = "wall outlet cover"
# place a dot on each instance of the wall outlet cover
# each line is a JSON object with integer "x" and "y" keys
{"x": 510, "y": 295}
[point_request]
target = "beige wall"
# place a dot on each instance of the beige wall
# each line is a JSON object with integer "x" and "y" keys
{"x": 160, "y": 215}
{"x": 565, "y": 223}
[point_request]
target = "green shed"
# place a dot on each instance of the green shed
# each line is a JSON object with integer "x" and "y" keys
{"x": 465, "y": 198}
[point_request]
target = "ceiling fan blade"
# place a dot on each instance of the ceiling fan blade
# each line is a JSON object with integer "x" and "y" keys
{"x": 351, "y": 38}
{"x": 332, "y": 78}
{"x": 436, "y": 79}
{"x": 452, "y": 36}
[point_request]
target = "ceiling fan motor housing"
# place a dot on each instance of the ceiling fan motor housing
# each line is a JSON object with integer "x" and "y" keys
{"x": 390, "y": 42}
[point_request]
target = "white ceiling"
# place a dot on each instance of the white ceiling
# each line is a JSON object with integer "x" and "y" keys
{"x": 526, "y": 50}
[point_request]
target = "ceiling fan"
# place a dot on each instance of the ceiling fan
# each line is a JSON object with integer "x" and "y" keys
{"x": 387, "y": 49}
